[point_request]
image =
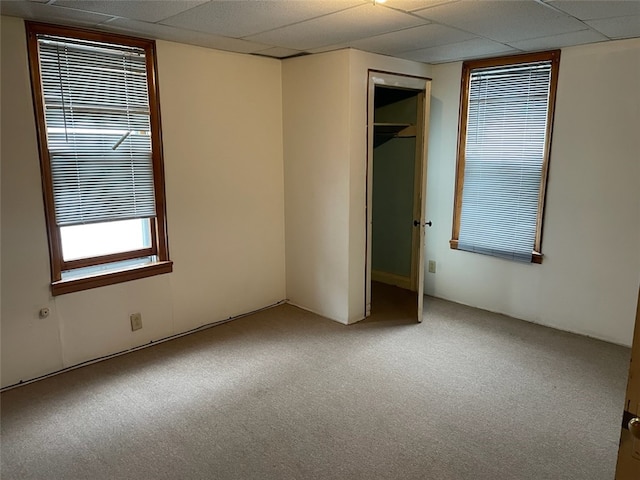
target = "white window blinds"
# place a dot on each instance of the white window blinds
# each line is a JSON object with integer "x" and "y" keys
{"x": 504, "y": 157}
{"x": 98, "y": 130}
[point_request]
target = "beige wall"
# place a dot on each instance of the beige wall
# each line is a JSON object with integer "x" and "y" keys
{"x": 316, "y": 166}
{"x": 222, "y": 132}
{"x": 325, "y": 140}
{"x": 588, "y": 281}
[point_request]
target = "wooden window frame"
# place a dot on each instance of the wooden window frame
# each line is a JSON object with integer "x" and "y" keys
{"x": 467, "y": 67}
{"x": 158, "y": 224}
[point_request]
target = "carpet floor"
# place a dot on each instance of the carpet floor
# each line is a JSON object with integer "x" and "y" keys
{"x": 286, "y": 394}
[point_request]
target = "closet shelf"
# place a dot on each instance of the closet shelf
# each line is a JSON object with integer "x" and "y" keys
{"x": 400, "y": 130}
{"x": 383, "y": 132}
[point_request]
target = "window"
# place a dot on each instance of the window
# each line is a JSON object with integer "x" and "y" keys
{"x": 506, "y": 117}
{"x": 98, "y": 126}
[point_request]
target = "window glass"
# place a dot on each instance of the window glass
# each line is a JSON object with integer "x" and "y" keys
{"x": 95, "y": 239}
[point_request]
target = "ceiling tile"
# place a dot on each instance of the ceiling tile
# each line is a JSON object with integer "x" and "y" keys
{"x": 279, "y": 52}
{"x": 598, "y": 9}
{"x": 51, "y": 13}
{"x": 620, "y": 27}
{"x": 172, "y": 34}
{"x": 414, "y": 38}
{"x": 559, "y": 41}
{"x": 243, "y": 18}
{"x": 412, "y": 5}
{"x": 435, "y": 31}
{"x": 476, "y": 48}
{"x": 503, "y": 21}
{"x": 341, "y": 27}
{"x": 147, "y": 10}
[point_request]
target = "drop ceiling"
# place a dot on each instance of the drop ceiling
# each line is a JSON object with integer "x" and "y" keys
{"x": 431, "y": 31}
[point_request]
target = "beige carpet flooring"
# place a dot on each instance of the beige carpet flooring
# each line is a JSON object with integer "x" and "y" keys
{"x": 285, "y": 394}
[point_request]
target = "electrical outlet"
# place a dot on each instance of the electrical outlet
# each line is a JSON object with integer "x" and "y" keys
{"x": 136, "y": 321}
{"x": 432, "y": 266}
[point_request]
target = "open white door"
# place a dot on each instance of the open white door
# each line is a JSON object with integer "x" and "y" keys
{"x": 422, "y": 138}
{"x": 422, "y": 88}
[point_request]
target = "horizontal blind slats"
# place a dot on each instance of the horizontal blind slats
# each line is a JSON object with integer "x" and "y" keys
{"x": 504, "y": 155}
{"x": 98, "y": 130}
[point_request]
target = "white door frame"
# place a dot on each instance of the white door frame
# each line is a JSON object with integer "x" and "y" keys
{"x": 423, "y": 85}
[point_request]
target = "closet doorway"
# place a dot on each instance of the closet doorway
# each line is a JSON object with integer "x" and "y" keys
{"x": 398, "y": 112}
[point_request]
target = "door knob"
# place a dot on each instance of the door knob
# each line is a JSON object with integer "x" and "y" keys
{"x": 426, "y": 224}
{"x": 634, "y": 427}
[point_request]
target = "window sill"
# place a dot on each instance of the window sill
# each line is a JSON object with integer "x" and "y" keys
{"x": 101, "y": 279}
{"x": 536, "y": 257}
